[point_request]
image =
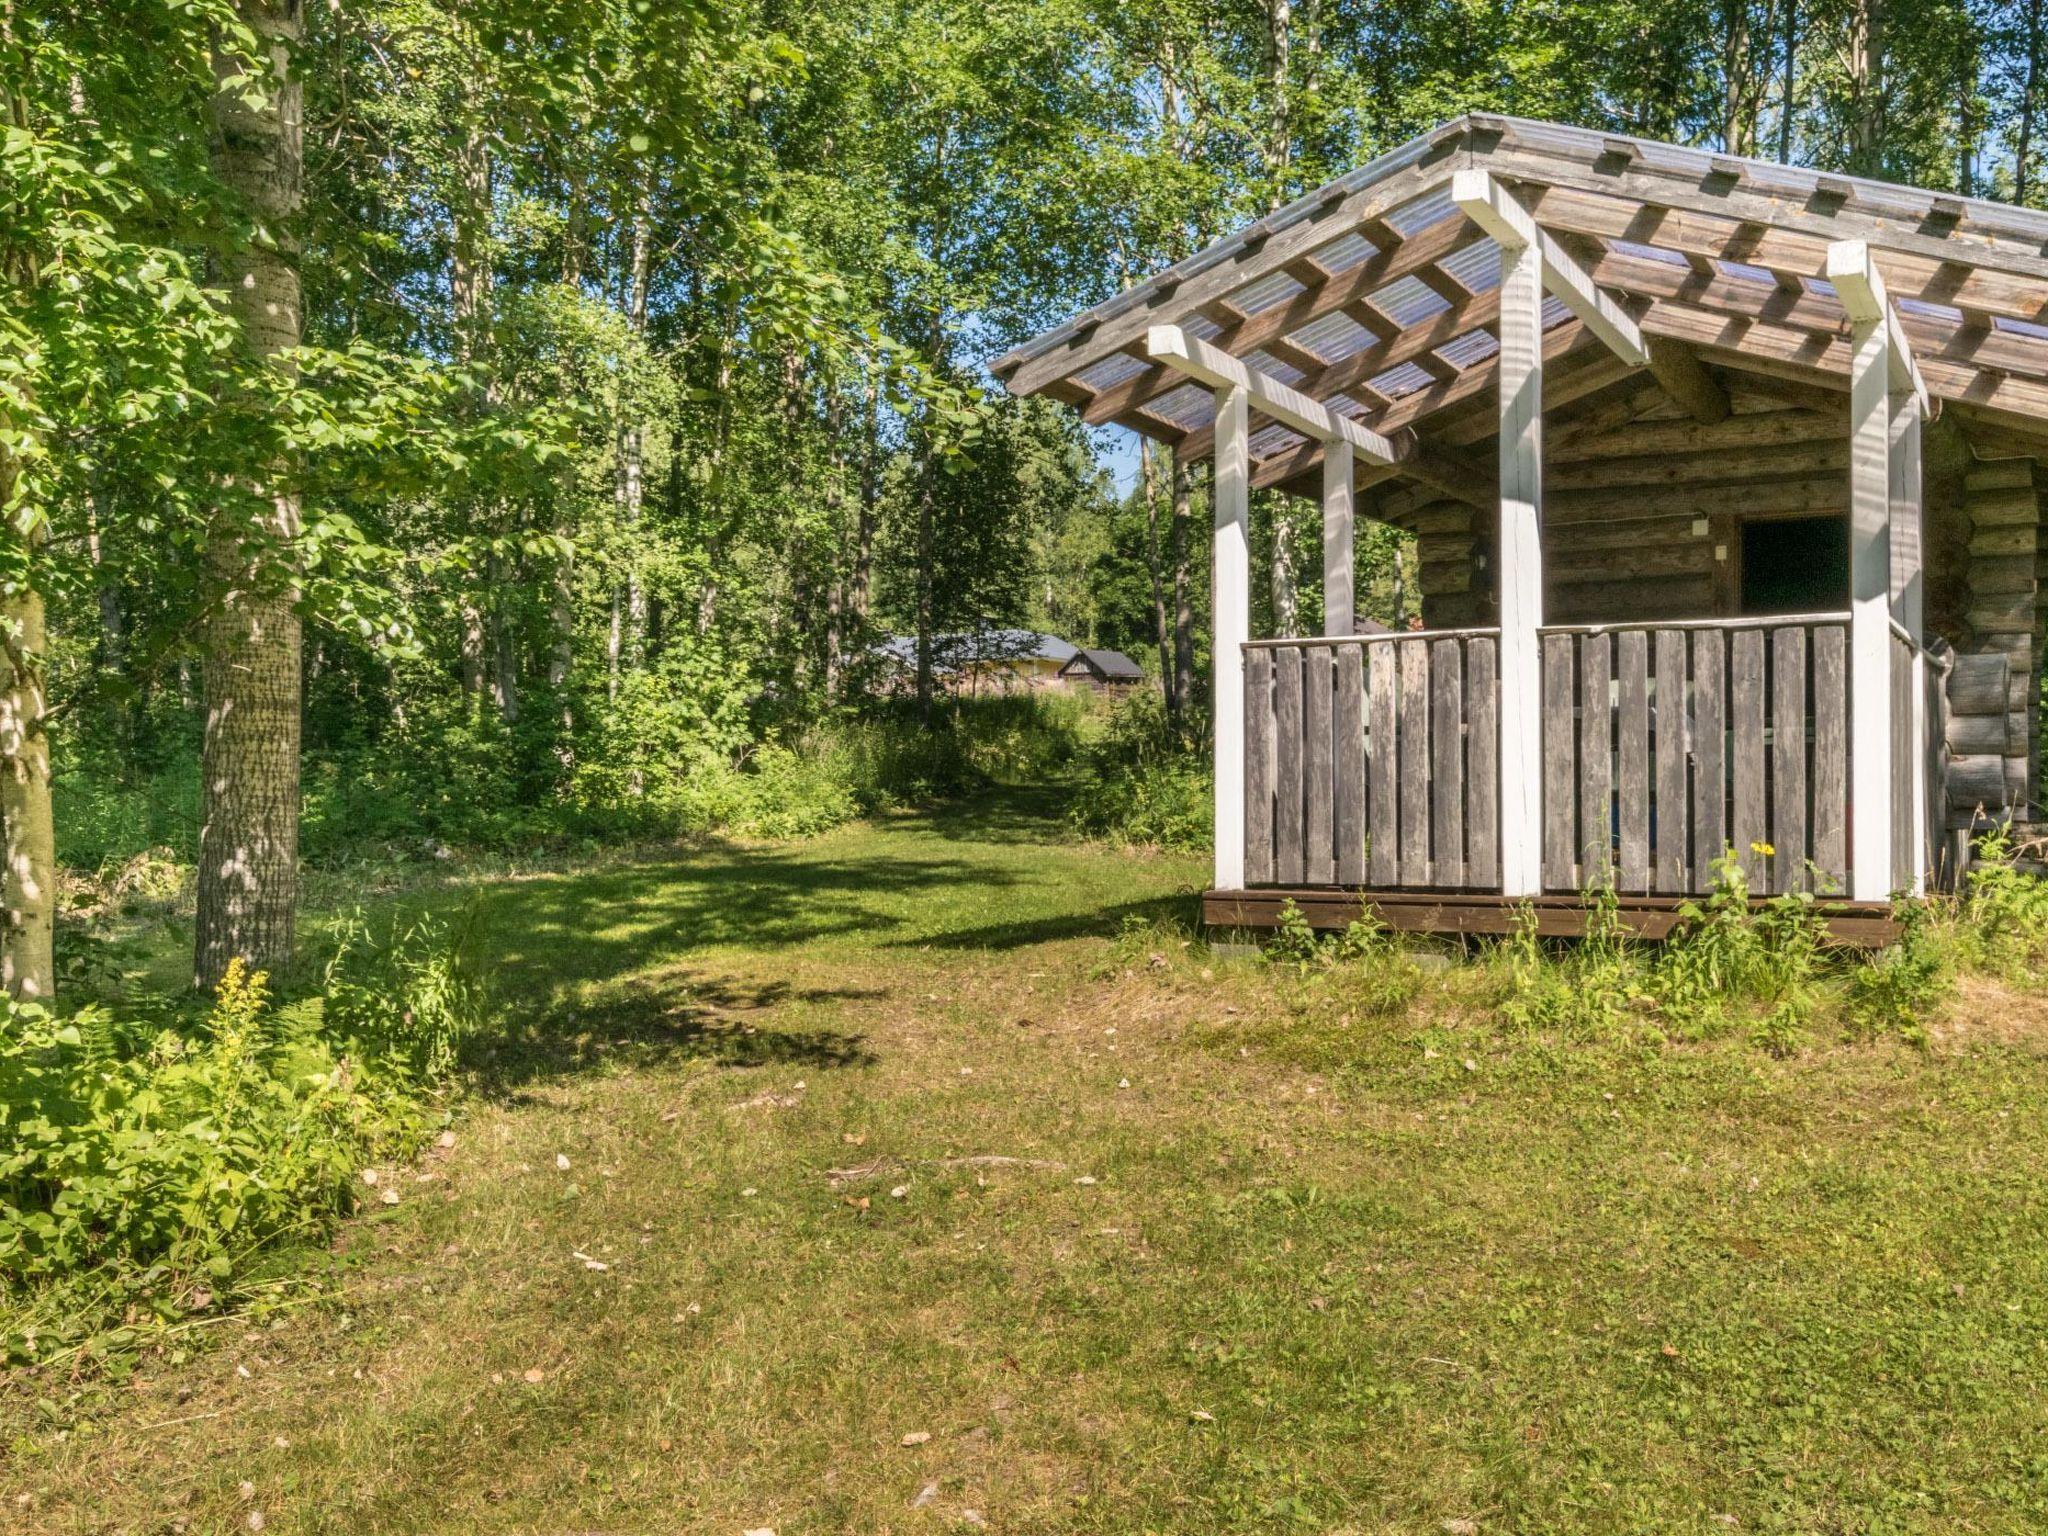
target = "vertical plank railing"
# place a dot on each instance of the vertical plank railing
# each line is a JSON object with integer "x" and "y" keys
{"x": 1373, "y": 761}
{"x": 1666, "y": 745}
{"x": 1904, "y": 749}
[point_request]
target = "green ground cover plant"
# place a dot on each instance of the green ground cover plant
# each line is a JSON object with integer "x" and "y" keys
{"x": 162, "y": 1166}
{"x": 794, "y": 1180}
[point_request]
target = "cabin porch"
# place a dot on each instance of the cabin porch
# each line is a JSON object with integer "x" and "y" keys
{"x": 1633, "y": 401}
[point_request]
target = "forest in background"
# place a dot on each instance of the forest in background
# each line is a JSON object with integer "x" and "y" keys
{"x": 432, "y": 423}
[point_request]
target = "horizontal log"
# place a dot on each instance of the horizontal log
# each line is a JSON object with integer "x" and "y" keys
{"x": 1999, "y": 474}
{"x": 1823, "y": 493}
{"x": 1977, "y": 684}
{"x": 1670, "y": 557}
{"x": 1611, "y": 602}
{"x": 2004, "y": 541}
{"x": 1631, "y": 439}
{"x": 2009, "y": 614}
{"x": 1976, "y": 780}
{"x": 2002, "y": 508}
{"x": 1691, "y": 470}
{"x": 2005, "y": 575}
{"x": 1978, "y": 735}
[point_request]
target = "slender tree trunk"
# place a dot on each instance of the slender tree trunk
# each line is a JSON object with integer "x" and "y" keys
{"x": 28, "y": 844}
{"x": 470, "y": 297}
{"x": 926, "y": 524}
{"x": 724, "y": 515}
{"x": 27, "y": 961}
{"x": 1279, "y": 147}
{"x": 2023, "y": 150}
{"x": 1788, "y": 88}
{"x": 249, "y": 833}
{"x": 1183, "y": 595}
{"x": 835, "y": 519}
{"x": 628, "y": 649}
{"x": 1156, "y": 534}
{"x": 1738, "y": 123}
{"x": 1867, "y": 86}
{"x": 869, "y": 512}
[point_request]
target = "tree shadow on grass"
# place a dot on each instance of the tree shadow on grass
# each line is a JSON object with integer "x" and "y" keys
{"x": 1091, "y": 923}
{"x": 1009, "y": 814}
{"x": 553, "y": 934}
{"x": 676, "y": 1016}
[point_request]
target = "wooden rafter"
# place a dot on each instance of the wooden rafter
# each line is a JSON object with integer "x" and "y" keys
{"x": 1353, "y": 285}
{"x": 1491, "y": 207}
{"x": 1861, "y": 290}
{"x": 1215, "y": 367}
{"x": 1703, "y": 312}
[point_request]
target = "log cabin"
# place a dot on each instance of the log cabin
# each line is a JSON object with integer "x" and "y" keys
{"x": 1725, "y": 481}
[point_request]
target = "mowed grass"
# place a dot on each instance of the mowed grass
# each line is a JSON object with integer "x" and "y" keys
{"x": 902, "y": 1195}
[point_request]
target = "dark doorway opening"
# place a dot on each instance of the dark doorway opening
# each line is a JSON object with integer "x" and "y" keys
{"x": 1795, "y": 565}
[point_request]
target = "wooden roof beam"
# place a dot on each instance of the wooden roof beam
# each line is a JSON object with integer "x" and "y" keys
{"x": 1494, "y": 210}
{"x": 1861, "y": 289}
{"x": 1343, "y": 290}
{"x": 1685, "y": 379}
{"x": 1213, "y": 366}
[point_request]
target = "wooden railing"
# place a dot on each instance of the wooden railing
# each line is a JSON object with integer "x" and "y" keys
{"x": 1373, "y": 761}
{"x": 1664, "y": 745}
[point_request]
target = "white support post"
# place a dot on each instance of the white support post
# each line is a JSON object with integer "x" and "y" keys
{"x": 1909, "y": 604}
{"x": 1518, "y": 564}
{"x": 1339, "y": 498}
{"x": 1870, "y": 572}
{"x": 1230, "y": 587}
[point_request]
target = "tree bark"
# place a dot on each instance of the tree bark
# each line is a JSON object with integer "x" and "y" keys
{"x": 1788, "y": 95}
{"x": 249, "y": 833}
{"x": 1183, "y": 595}
{"x": 1866, "y": 81}
{"x": 27, "y": 960}
{"x": 1738, "y": 122}
{"x": 28, "y": 892}
{"x": 2023, "y": 149}
{"x": 1279, "y": 126}
{"x": 1155, "y": 568}
{"x": 628, "y": 648}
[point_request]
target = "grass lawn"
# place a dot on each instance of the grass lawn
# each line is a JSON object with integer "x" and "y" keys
{"x": 871, "y": 1184}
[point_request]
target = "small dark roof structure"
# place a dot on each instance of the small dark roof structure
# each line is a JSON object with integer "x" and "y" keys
{"x": 981, "y": 645}
{"x": 1104, "y": 665}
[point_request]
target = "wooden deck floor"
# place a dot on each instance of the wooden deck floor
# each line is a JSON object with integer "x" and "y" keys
{"x": 1866, "y": 923}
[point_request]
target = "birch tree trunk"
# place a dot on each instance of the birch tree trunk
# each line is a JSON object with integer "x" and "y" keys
{"x": 249, "y": 833}
{"x": 469, "y": 285}
{"x": 629, "y": 626}
{"x": 28, "y": 895}
{"x": 27, "y": 962}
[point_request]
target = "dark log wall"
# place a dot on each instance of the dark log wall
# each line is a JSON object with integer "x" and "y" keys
{"x": 1643, "y": 515}
{"x": 2004, "y": 604}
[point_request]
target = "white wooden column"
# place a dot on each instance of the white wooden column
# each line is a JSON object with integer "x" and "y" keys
{"x": 1230, "y": 590}
{"x": 1518, "y": 565}
{"x": 1339, "y": 498}
{"x": 1870, "y": 606}
{"x": 1909, "y": 604}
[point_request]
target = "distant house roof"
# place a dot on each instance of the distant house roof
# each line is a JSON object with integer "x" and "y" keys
{"x": 1110, "y": 666}
{"x": 958, "y": 650}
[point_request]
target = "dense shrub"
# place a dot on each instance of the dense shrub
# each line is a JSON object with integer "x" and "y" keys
{"x": 1146, "y": 783}
{"x": 152, "y": 1169}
